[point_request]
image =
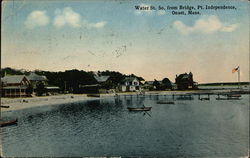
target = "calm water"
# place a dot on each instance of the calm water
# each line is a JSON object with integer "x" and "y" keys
{"x": 192, "y": 128}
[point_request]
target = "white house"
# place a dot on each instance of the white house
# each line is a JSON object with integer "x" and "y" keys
{"x": 131, "y": 84}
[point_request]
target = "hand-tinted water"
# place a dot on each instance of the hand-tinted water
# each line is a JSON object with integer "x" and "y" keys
{"x": 191, "y": 128}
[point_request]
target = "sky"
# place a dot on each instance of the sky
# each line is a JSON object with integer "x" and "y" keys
{"x": 94, "y": 35}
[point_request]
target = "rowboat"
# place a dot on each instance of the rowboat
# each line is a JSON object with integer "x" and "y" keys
{"x": 140, "y": 109}
{"x": 165, "y": 102}
{"x": 204, "y": 98}
{"x": 93, "y": 95}
{"x": 228, "y": 98}
{"x": 3, "y": 106}
{"x": 7, "y": 123}
{"x": 234, "y": 95}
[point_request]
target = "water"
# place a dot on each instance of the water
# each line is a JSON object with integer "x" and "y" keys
{"x": 190, "y": 128}
{"x": 232, "y": 87}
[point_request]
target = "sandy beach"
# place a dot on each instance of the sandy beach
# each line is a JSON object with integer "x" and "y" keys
{"x": 23, "y": 103}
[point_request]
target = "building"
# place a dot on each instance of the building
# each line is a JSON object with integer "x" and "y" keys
{"x": 23, "y": 86}
{"x": 15, "y": 86}
{"x": 101, "y": 79}
{"x": 185, "y": 81}
{"x": 130, "y": 84}
{"x": 35, "y": 79}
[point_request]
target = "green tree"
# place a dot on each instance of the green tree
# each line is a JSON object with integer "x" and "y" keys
{"x": 29, "y": 89}
{"x": 166, "y": 84}
{"x": 40, "y": 89}
{"x": 156, "y": 84}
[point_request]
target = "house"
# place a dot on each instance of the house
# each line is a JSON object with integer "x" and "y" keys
{"x": 105, "y": 83}
{"x": 14, "y": 86}
{"x": 185, "y": 81}
{"x": 35, "y": 79}
{"x": 21, "y": 85}
{"x": 101, "y": 79}
{"x": 148, "y": 85}
{"x": 131, "y": 84}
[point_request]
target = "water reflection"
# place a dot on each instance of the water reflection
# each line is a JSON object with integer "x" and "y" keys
{"x": 106, "y": 128}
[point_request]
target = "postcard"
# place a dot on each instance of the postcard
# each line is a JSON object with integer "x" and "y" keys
{"x": 136, "y": 78}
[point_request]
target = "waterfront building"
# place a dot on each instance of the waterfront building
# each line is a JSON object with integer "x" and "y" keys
{"x": 14, "y": 86}
{"x": 131, "y": 84}
{"x": 35, "y": 79}
{"x": 185, "y": 81}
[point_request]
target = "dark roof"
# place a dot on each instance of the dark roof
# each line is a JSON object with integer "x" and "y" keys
{"x": 184, "y": 76}
{"x": 13, "y": 79}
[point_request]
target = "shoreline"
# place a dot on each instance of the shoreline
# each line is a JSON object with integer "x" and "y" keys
{"x": 26, "y": 102}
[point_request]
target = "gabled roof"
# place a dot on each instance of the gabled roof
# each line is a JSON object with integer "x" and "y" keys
{"x": 130, "y": 79}
{"x": 35, "y": 77}
{"x": 13, "y": 79}
{"x": 101, "y": 78}
{"x": 183, "y": 76}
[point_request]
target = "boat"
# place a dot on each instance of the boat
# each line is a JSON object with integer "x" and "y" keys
{"x": 204, "y": 99}
{"x": 7, "y": 123}
{"x": 165, "y": 102}
{"x": 3, "y": 106}
{"x": 93, "y": 95}
{"x": 140, "y": 109}
{"x": 228, "y": 98}
{"x": 234, "y": 95}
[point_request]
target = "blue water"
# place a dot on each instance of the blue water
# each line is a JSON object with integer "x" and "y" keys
{"x": 188, "y": 128}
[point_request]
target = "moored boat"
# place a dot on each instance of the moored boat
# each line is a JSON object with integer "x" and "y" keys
{"x": 3, "y": 106}
{"x": 234, "y": 95}
{"x": 228, "y": 98}
{"x": 165, "y": 102}
{"x": 139, "y": 109}
{"x": 7, "y": 123}
{"x": 93, "y": 95}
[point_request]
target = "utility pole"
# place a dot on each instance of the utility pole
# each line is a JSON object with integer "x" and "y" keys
{"x": 64, "y": 86}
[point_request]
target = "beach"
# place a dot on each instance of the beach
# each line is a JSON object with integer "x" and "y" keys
{"x": 23, "y": 103}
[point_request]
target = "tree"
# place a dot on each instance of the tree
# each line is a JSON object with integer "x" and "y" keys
{"x": 40, "y": 89}
{"x": 29, "y": 89}
{"x": 166, "y": 84}
{"x": 156, "y": 84}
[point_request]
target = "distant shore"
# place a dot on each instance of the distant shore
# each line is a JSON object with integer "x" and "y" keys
{"x": 24, "y": 103}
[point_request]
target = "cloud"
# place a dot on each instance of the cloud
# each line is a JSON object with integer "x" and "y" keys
{"x": 36, "y": 18}
{"x": 146, "y": 9}
{"x": 205, "y": 25}
{"x": 69, "y": 17}
{"x": 99, "y": 24}
{"x": 161, "y": 12}
{"x": 229, "y": 28}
